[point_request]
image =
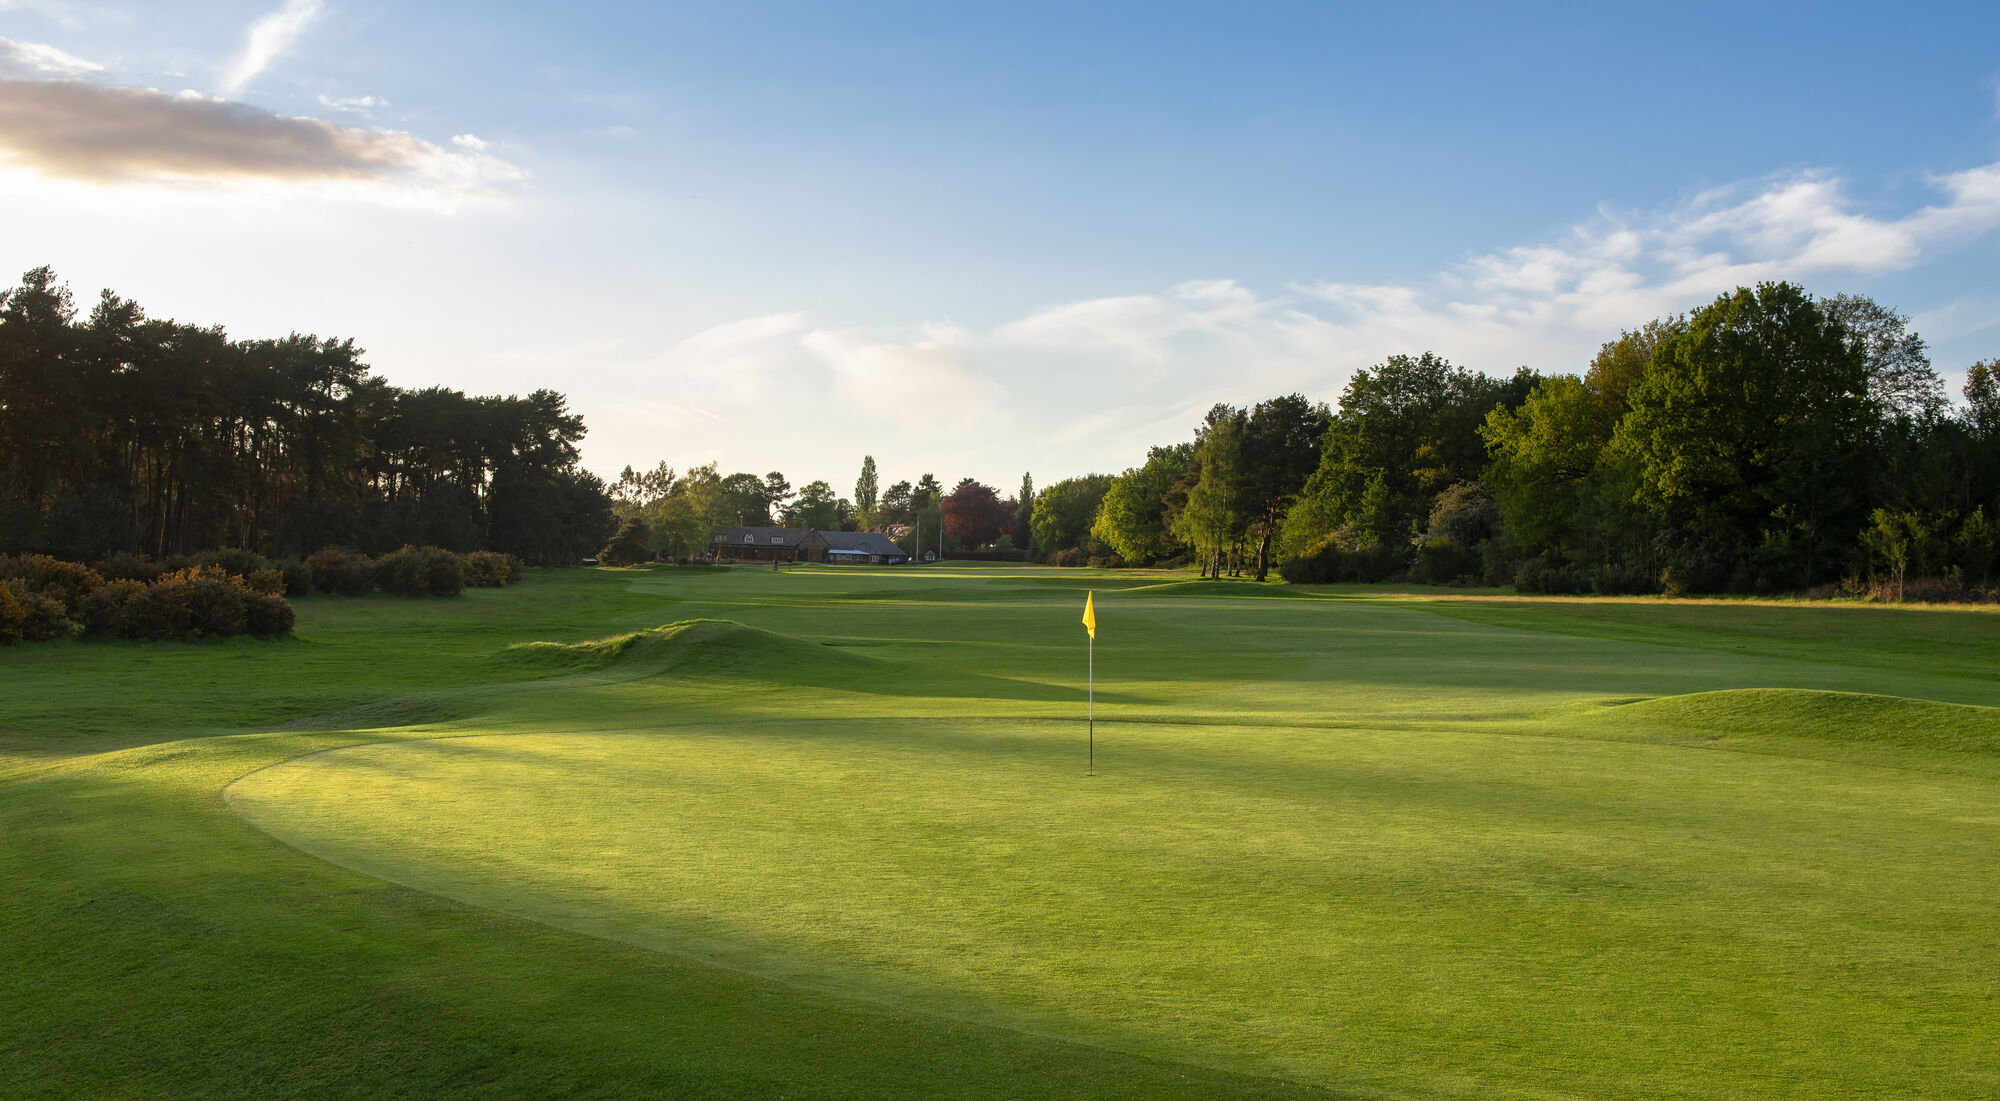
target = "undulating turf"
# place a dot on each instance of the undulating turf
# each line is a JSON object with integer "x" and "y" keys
{"x": 829, "y": 833}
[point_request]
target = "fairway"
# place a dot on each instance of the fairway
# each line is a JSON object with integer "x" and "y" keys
{"x": 709, "y": 831}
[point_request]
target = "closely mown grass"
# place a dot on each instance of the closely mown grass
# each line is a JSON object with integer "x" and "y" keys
{"x": 730, "y": 833}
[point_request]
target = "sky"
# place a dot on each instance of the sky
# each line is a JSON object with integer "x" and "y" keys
{"x": 983, "y": 240}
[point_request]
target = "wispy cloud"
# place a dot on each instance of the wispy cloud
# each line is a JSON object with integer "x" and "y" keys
{"x": 34, "y": 58}
{"x": 76, "y": 130}
{"x": 268, "y": 38}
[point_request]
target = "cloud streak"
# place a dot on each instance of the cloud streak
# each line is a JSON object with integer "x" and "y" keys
{"x": 75, "y": 130}
{"x": 34, "y": 58}
{"x": 270, "y": 37}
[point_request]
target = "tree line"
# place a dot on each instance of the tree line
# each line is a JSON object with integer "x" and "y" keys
{"x": 121, "y": 433}
{"x": 1768, "y": 441}
{"x": 664, "y": 513}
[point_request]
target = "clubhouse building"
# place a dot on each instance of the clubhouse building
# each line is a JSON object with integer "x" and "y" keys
{"x": 805, "y": 545}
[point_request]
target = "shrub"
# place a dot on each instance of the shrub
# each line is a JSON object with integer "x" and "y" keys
{"x": 341, "y": 572}
{"x": 102, "y": 610}
{"x": 267, "y": 615}
{"x": 1106, "y": 562}
{"x": 126, "y": 566}
{"x": 42, "y": 616}
{"x": 242, "y": 563}
{"x": 65, "y": 582}
{"x": 160, "y": 611}
{"x": 269, "y": 581}
{"x": 445, "y": 572}
{"x": 1441, "y": 561}
{"x": 421, "y": 571}
{"x": 1622, "y": 581}
{"x": 485, "y": 569}
{"x": 628, "y": 547}
{"x": 1330, "y": 560}
{"x": 216, "y": 606}
{"x": 11, "y": 615}
{"x": 513, "y": 569}
{"x": 297, "y": 578}
{"x": 1540, "y": 575}
{"x": 1068, "y": 556}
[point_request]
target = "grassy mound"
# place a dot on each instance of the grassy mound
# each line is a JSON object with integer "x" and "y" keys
{"x": 690, "y": 647}
{"x": 1850, "y": 717}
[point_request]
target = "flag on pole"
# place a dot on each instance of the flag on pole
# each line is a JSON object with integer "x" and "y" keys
{"x": 1090, "y": 714}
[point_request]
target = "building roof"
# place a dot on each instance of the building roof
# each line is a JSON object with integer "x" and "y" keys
{"x": 861, "y": 542}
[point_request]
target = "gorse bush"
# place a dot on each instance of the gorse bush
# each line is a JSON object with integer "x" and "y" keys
{"x": 296, "y": 577}
{"x": 221, "y": 593}
{"x": 421, "y": 571}
{"x": 44, "y": 598}
{"x": 267, "y": 616}
{"x": 33, "y": 616}
{"x": 102, "y": 610}
{"x": 487, "y": 569}
{"x": 38, "y": 573}
{"x": 339, "y": 572}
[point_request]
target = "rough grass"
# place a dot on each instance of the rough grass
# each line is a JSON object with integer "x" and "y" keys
{"x": 827, "y": 833}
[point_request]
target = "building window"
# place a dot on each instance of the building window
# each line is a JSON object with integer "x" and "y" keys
{"x": 777, "y": 539}
{"x": 749, "y": 538}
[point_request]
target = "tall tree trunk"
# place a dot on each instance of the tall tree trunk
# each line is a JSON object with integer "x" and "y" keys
{"x": 1264, "y": 547}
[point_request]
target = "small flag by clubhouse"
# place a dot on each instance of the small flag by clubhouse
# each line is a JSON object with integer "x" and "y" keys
{"x": 1090, "y": 616}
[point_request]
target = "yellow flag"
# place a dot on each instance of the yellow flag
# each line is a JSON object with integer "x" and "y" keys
{"x": 1089, "y": 616}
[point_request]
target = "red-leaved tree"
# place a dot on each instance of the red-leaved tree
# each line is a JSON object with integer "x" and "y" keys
{"x": 974, "y": 514}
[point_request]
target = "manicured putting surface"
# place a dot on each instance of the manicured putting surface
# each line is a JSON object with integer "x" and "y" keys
{"x": 1358, "y": 908}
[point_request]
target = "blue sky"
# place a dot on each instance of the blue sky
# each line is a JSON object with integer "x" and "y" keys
{"x": 982, "y": 239}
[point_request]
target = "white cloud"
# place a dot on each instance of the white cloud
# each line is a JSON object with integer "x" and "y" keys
{"x": 468, "y": 141}
{"x": 356, "y": 104}
{"x": 268, "y": 38}
{"x": 35, "y": 58}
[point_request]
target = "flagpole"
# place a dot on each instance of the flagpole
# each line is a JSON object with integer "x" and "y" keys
{"x": 1091, "y": 712}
